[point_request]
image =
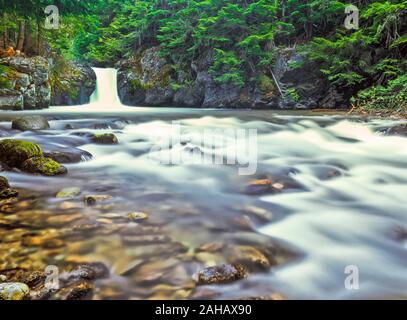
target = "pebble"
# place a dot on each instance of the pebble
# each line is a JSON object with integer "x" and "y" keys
{"x": 13, "y": 291}
{"x": 68, "y": 193}
{"x": 137, "y": 216}
{"x": 220, "y": 274}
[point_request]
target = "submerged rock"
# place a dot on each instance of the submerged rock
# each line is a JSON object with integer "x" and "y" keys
{"x": 43, "y": 166}
{"x": 4, "y": 183}
{"x": 224, "y": 273}
{"x": 89, "y": 271}
{"x": 15, "y": 152}
{"x": 399, "y": 130}
{"x": 105, "y": 138}
{"x": 68, "y": 193}
{"x": 91, "y": 200}
{"x": 70, "y": 155}
{"x": 13, "y": 291}
{"x": 250, "y": 257}
{"x": 30, "y": 123}
{"x": 30, "y": 278}
{"x": 8, "y": 193}
{"x": 76, "y": 291}
{"x": 137, "y": 216}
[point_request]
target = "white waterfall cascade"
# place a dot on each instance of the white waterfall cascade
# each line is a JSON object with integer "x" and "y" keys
{"x": 105, "y": 96}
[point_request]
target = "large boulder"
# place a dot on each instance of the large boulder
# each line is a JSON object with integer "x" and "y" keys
{"x": 30, "y": 123}
{"x": 27, "y": 81}
{"x": 43, "y": 166}
{"x": 15, "y": 152}
{"x": 11, "y": 99}
{"x": 73, "y": 84}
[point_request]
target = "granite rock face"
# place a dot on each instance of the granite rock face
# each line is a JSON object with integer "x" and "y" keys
{"x": 36, "y": 83}
{"x": 148, "y": 79}
{"x": 73, "y": 85}
{"x": 24, "y": 83}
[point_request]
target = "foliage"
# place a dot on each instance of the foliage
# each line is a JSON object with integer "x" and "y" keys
{"x": 236, "y": 40}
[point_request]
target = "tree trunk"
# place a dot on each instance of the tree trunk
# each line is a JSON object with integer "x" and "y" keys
{"x": 21, "y": 35}
{"x": 28, "y": 45}
{"x": 39, "y": 37}
{"x": 4, "y": 39}
{"x": 5, "y": 32}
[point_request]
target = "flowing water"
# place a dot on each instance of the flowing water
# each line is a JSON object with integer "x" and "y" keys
{"x": 343, "y": 202}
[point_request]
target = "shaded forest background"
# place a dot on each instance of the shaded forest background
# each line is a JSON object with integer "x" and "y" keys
{"x": 244, "y": 36}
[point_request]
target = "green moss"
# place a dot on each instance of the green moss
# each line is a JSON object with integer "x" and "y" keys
{"x": 15, "y": 152}
{"x": 265, "y": 84}
{"x": 295, "y": 64}
{"x": 4, "y": 183}
{"x": 43, "y": 166}
{"x": 105, "y": 138}
{"x": 6, "y": 73}
{"x": 136, "y": 85}
{"x": 62, "y": 75}
{"x": 293, "y": 94}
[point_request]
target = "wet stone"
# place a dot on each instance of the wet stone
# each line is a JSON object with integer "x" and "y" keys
{"x": 4, "y": 183}
{"x": 105, "y": 138}
{"x": 92, "y": 200}
{"x": 250, "y": 257}
{"x": 43, "y": 166}
{"x": 224, "y": 273}
{"x": 211, "y": 247}
{"x": 137, "y": 216}
{"x": 68, "y": 156}
{"x": 8, "y": 193}
{"x": 89, "y": 271}
{"x": 146, "y": 239}
{"x": 30, "y": 123}
{"x": 399, "y": 130}
{"x": 81, "y": 290}
{"x": 15, "y": 152}
{"x": 13, "y": 291}
{"x": 30, "y": 278}
{"x": 68, "y": 193}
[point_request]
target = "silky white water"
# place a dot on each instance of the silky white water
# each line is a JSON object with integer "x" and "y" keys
{"x": 106, "y": 95}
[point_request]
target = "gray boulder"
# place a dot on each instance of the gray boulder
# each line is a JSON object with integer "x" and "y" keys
{"x": 28, "y": 80}
{"x": 74, "y": 86}
{"x": 11, "y": 99}
{"x": 30, "y": 123}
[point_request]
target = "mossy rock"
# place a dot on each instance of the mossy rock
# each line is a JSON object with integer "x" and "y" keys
{"x": 105, "y": 138}
{"x": 68, "y": 193}
{"x": 4, "y": 183}
{"x": 15, "y": 152}
{"x": 43, "y": 166}
{"x": 8, "y": 193}
{"x": 13, "y": 291}
{"x": 225, "y": 273}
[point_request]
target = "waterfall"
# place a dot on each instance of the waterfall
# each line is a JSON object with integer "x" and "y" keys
{"x": 105, "y": 96}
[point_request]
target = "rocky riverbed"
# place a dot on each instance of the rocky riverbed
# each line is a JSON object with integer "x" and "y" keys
{"x": 114, "y": 223}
